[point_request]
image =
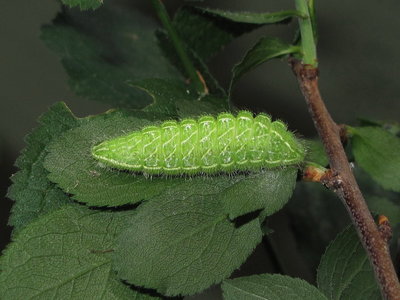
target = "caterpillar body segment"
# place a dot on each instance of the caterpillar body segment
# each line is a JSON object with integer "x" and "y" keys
{"x": 208, "y": 145}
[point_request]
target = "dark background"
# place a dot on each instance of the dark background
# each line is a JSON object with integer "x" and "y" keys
{"x": 358, "y": 53}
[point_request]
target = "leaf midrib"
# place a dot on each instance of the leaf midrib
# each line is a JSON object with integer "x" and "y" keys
{"x": 70, "y": 278}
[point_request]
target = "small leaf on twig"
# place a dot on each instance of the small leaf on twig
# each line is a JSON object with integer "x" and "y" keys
{"x": 267, "y": 48}
{"x": 254, "y": 17}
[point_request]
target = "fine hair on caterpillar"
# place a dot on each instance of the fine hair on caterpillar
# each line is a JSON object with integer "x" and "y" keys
{"x": 207, "y": 145}
{"x": 185, "y": 176}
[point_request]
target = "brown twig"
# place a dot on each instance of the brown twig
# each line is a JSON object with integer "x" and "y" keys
{"x": 344, "y": 184}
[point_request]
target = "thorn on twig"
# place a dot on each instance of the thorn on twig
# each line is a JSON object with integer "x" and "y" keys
{"x": 384, "y": 228}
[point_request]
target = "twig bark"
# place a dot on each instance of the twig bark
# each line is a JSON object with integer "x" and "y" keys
{"x": 344, "y": 184}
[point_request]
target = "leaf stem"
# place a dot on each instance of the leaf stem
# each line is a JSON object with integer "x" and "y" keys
{"x": 179, "y": 47}
{"x": 307, "y": 33}
{"x": 343, "y": 183}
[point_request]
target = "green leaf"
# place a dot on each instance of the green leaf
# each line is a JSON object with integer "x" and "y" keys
{"x": 254, "y": 18}
{"x": 383, "y": 206}
{"x": 370, "y": 187}
{"x": 176, "y": 99}
{"x": 206, "y": 33}
{"x": 380, "y": 201}
{"x": 316, "y": 217}
{"x": 266, "y": 49}
{"x": 391, "y": 126}
{"x": 270, "y": 192}
{"x": 211, "y": 84}
{"x": 316, "y": 153}
{"x": 345, "y": 271}
{"x": 73, "y": 168}
{"x": 377, "y": 152}
{"x": 33, "y": 193}
{"x": 65, "y": 255}
{"x": 268, "y": 286}
{"x": 101, "y": 51}
{"x": 83, "y": 4}
{"x": 182, "y": 245}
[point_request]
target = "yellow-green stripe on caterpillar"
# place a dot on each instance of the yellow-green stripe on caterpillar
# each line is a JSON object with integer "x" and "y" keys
{"x": 224, "y": 143}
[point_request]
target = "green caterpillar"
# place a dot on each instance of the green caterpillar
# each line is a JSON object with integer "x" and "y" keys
{"x": 207, "y": 145}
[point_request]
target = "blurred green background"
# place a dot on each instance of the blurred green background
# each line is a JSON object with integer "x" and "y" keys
{"x": 359, "y": 73}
